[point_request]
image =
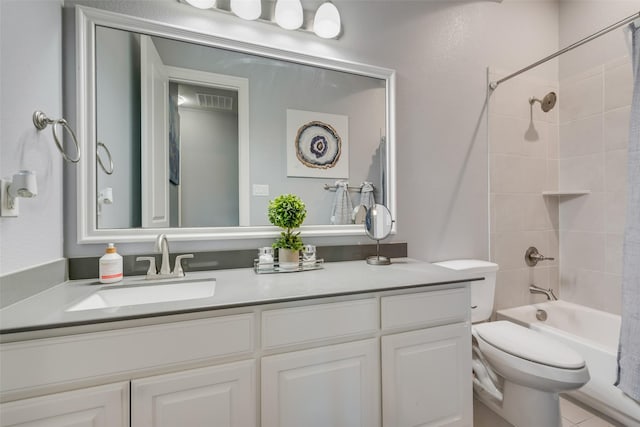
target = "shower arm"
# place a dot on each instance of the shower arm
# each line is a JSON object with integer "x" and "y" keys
{"x": 493, "y": 85}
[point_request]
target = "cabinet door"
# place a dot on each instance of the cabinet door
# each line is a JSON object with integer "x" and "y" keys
{"x": 104, "y": 406}
{"x": 323, "y": 387}
{"x": 223, "y": 395}
{"x": 426, "y": 377}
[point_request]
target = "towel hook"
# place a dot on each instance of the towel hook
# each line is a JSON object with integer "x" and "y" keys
{"x": 110, "y": 170}
{"x": 41, "y": 121}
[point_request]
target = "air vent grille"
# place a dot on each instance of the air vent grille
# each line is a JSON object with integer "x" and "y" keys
{"x": 215, "y": 102}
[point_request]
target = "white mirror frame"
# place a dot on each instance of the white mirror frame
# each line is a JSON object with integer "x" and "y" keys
{"x": 86, "y": 20}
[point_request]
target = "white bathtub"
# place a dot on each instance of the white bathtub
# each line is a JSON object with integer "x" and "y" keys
{"x": 594, "y": 334}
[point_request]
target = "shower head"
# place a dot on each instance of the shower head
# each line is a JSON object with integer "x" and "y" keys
{"x": 547, "y": 103}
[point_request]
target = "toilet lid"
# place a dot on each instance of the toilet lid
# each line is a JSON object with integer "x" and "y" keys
{"x": 529, "y": 344}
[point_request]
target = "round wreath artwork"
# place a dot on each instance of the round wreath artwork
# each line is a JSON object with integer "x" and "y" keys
{"x": 318, "y": 145}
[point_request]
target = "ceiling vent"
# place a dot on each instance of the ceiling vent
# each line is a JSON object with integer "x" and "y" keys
{"x": 215, "y": 102}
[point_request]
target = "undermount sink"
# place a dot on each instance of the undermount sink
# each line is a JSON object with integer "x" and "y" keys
{"x": 137, "y": 294}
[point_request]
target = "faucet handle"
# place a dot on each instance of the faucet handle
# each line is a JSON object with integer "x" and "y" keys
{"x": 152, "y": 264}
{"x": 177, "y": 268}
{"x": 532, "y": 257}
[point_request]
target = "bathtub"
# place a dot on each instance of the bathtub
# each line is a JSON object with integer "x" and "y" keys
{"x": 594, "y": 334}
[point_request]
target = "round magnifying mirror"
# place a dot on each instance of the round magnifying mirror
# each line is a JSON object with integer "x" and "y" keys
{"x": 378, "y": 225}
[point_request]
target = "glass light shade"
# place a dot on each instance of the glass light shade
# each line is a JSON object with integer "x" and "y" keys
{"x": 202, "y": 4}
{"x": 326, "y": 23}
{"x": 24, "y": 184}
{"x": 289, "y": 14}
{"x": 247, "y": 9}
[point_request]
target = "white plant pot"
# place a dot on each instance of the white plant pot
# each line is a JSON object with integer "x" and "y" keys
{"x": 288, "y": 259}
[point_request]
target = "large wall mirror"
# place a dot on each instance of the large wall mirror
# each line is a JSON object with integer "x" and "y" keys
{"x": 192, "y": 135}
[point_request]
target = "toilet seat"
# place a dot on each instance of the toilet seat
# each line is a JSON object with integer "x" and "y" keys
{"x": 528, "y": 344}
{"x": 524, "y": 371}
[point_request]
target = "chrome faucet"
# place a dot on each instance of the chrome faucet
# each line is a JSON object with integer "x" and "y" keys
{"x": 162, "y": 245}
{"x": 548, "y": 292}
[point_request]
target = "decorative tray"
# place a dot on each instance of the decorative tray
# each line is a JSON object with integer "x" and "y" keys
{"x": 274, "y": 267}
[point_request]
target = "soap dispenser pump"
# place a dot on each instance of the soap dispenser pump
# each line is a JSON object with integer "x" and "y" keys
{"x": 110, "y": 268}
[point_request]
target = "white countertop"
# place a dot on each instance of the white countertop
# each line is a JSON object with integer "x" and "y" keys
{"x": 234, "y": 288}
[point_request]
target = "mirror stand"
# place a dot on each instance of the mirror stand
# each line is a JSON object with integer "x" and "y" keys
{"x": 377, "y": 259}
{"x": 378, "y": 224}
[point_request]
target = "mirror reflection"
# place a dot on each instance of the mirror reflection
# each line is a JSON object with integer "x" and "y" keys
{"x": 378, "y": 225}
{"x": 378, "y": 222}
{"x": 205, "y": 137}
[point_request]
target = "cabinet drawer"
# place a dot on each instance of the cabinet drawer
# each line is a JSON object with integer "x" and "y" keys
{"x": 94, "y": 355}
{"x": 319, "y": 322}
{"x": 425, "y": 308}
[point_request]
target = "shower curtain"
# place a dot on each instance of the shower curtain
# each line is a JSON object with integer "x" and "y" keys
{"x": 629, "y": 349}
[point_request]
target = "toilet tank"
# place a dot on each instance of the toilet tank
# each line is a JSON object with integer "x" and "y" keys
{"x": 482, "y": 292}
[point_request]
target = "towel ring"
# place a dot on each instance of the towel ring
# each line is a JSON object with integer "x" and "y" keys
{"x": 110, "y": 170}
{"x": 41, "y": 121}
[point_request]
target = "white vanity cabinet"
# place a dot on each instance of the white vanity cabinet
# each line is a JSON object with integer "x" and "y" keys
{"x": 102, "y": 406}
{"x": 329, "y": 384}
{"x": 426, "y": 372}
{"x": 426, "y": 377}
{"x": 388, "y": 358}
{"x": 222, "y": 396}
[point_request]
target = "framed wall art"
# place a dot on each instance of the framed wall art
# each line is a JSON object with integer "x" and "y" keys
{"x": 317, "y": 145}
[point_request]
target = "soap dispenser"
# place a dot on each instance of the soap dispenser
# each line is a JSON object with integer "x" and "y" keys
{"x": 110, "y": 268}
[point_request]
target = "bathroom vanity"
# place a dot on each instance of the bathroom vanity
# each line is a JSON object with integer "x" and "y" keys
{"x": 349, "y": 345}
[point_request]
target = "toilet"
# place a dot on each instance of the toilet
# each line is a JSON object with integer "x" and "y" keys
{"x": 518, "y": 372}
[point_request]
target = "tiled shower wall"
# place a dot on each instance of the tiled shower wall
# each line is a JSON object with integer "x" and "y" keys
{"x": 579, "y": 145}
{"x": 523, "y": 156}
{"x": 594, "y": 127}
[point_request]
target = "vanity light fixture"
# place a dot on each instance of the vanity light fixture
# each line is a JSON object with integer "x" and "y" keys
{"x": 23, "y": 184}
{"x": 202, "y": 4}
{"x": 247, "y": 9}
{"x": 326, "y": 23}
{"x": 289, "y": 14}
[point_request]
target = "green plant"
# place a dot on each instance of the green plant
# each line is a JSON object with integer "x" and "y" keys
{"x": 287, "y": 211}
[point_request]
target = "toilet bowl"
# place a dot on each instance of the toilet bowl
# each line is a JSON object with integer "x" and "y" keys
{"x": 518, "y": 372}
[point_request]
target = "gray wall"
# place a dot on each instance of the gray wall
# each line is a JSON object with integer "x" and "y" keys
{"x": 31, "y": 78}
{"x": 209, "y": 168}
{"x": 118, "y": 107}
{"x": 440, "y": 50}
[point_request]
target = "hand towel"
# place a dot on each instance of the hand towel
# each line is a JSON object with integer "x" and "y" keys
{"x": 366, "y": 195}
{"x": 342, "y": 205}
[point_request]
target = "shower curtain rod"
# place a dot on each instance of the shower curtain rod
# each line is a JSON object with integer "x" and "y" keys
{"x": 593, "y": 36}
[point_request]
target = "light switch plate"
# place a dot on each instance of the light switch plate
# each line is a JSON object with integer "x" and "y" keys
{"x": 5, "y": 210}
{"x": 260, "y": 189}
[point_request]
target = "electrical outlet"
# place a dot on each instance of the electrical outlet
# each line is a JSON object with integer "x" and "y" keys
{"x": 5, "y": 210}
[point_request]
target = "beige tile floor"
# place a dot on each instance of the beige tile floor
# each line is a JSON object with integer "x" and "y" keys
{"x": 573, "y": 415}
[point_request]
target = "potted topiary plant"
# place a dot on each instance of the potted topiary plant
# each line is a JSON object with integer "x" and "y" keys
{"x": 287, "y": 211}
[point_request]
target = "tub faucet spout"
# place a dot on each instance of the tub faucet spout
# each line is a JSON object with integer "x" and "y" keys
{"x": 548, "y": 292}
